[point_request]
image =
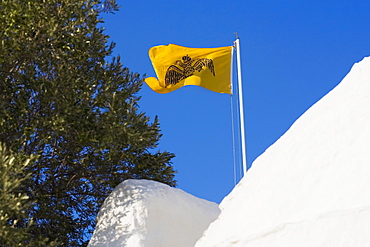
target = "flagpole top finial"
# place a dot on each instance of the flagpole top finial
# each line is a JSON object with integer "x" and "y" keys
{"x": 236, "y": 35}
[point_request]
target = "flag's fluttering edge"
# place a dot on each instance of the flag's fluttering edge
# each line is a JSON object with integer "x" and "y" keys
{"x": 178, "y": 66}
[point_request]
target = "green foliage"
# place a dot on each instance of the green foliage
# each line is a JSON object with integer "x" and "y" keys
{"x": 62, "y": 101}
{"x": 14, "y": 221}
{"x": 14, "y": 202}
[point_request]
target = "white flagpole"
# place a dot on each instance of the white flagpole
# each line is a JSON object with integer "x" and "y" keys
{"x": 241, "y": 108}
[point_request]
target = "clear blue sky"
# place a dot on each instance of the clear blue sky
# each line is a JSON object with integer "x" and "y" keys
{"x": 293, "y": 53}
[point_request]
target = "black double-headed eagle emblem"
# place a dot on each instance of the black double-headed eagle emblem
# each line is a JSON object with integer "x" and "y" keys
{"x": 185, "y": 68}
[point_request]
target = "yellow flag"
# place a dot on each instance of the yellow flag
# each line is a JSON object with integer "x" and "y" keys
{"x": 178, "y": 66}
